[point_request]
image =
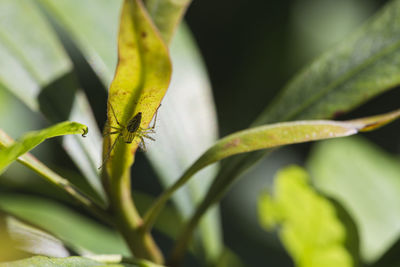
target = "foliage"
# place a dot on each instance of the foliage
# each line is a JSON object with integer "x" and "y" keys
{"x": 46, "y": 45}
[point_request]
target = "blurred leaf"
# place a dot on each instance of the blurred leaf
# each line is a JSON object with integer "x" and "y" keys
{"x": 33, "y": 240}
{"x": 34, "y": 67}
{"x": 267, "y": 136}
{"x": 167, "y": 15}
{"x": 366, "y": 181}
{"x": 362, "y": 66}
{"x": 229, "y": 259}
{"x": 86, "y": 153}
{"x": 32, "y": 139}
{"x": 279, "y": 134}
{"x": 141, "y": 80}
{"x": 79, "y": 18}
{"x": 41, "y": 261}
{"x": 8, "y": 250}
{"x": 310, "y": 231}
{"x": 29, "y": 59}
{"x": 75, "y": 230}
{"x": 187, "y": 116}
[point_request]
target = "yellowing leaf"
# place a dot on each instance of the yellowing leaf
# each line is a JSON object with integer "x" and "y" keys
{"x": 310, "y": 230}
{"x": 141, "y": 80}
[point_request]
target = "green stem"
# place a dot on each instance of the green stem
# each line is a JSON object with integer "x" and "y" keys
{"x": 129, "y": 222}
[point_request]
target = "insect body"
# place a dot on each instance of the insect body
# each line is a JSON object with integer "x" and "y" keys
{"x": 129, "y": 132}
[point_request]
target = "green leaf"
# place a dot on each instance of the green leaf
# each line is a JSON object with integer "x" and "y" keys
{"x": 42, "y": 261}
{"x": 261, "y": 137}
{"x": 366, "y": 181}
{"x": 310, "y": 229}
{"x": 362, "y": 66}
{"x": 187, "y": 116}
{"x": 35, "y": 68}
{"x": 30, "y": 58}
{"x": 76, "y": 231}
{"x": 141, "y": 80}
{"x": 167, "y": 15}
{"x": 32, "y": 139}
{"x": 79, "y": 18}
{"x": 30, "y": 239}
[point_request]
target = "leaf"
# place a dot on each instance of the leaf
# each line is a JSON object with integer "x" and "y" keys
{"x": 76, "y": 231}
{"x": 141, "y": 80}
{"x": 34, "y": 67}
{"x": 256, "y": 138}
{"x": 310, "y": 229}
{"x": 279, "y": 134}
{"x": 33, "y": 240}
{"x": 187, "y": 116}
{"x": 361, "y": 67}
{"x": 366, "y": 181}
{"x": 42, "y": 261}
{"x": 166, "y": 15}
{"x": 29, "y": 59}
{"x": 79, "y": 18}
{"x": 32, "y": 139}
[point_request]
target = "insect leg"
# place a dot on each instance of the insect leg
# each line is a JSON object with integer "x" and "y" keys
{"x": 147, "y": 136}
{"x": 115, "y": 116}
{"x": 109, "y": 152}
{"x": 155, "y": 119}
{"x": 142, "y": 144}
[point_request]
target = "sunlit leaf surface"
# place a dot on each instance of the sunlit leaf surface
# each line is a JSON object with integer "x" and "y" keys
{"x": 141, "y": 80}
{"x": 366, "y": 181}
{"x": 310, "y": 229}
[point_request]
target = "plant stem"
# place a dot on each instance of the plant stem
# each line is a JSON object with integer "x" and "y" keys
{"x": 129, "y": 222}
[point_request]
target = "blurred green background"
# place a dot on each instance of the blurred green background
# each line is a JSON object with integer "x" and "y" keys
{"x": 251, "y": 49}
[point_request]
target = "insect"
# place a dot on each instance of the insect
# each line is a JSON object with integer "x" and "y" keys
{"x": 129, "y": 132}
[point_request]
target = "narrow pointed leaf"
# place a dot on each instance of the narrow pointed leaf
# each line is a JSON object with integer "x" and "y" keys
{"x": 361, "y": 67}
{"x": 310, "y": 229}
{"x": 141, "y": 79}
{"x": 270, "y": 136}
{"x": 32, "y": 139}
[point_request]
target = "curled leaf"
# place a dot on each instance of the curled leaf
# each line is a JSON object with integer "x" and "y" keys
{"x": 32, "y": 139}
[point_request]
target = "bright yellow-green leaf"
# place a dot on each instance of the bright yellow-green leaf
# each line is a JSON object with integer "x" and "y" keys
{"x": 141, "y": 80}
{"x": 366, "y": 181}
{"x": 32, "y": 139}
{"x": 310, "y": 229}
